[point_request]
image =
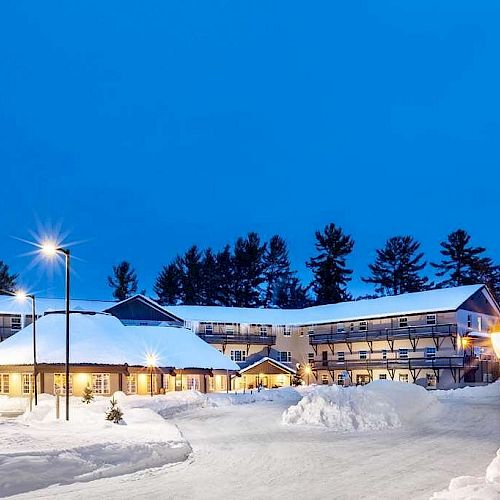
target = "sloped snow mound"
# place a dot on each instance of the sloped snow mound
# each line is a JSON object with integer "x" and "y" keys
{"x": 467, "y": 487}
{"x": 376, "y": 406}
{"x": 471, "y": 393}
{"x": 38, "y": 450}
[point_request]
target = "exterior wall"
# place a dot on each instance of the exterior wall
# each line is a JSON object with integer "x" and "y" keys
{"x": 251, "y": 381}
{"x": 10, "y": 324}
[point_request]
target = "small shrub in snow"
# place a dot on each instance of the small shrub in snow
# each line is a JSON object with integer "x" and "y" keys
{"x": 88, "y": 395}
{"x": 114, "y": 414}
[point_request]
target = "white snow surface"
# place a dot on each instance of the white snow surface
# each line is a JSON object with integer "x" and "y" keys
{"x": 379, "y": 405}
{"x": 102, "y": 339}
{"x": 445, "y": 299}
{"x": 12, "y": 305}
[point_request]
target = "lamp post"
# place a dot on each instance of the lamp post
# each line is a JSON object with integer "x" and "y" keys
{"x": 151, "y": 363}
{"x": 50, "y": 250}
{"x": 23, "y": 296}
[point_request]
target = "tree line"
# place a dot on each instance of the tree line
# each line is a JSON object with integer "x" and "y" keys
{"x": 257, "y": 273}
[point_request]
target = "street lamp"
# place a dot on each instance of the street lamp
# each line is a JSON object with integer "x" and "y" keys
{"x": 307, "y": 370}
{"x": 51, "y": 249}
{"x": 151, "y": 364}
{"x": 20, "y": 295}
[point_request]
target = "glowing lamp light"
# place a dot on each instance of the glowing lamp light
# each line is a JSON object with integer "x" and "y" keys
{"x": 465, "y": 342}
{"x": 151, "y": 360}
{"x": 48, "y": 248}
{"x": 21, "y": 295}
{"x": 495, "y": 341}
{"x": 307, "y": 369}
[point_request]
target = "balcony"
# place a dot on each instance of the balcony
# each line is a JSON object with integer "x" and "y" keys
{"x": 6, "y": 332}
{"x": 388, "y": 334}
{"x": 392, "y": 364}
{"x": 222, "y": 338}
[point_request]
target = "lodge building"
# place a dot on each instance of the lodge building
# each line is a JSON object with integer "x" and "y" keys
{"x": 438, "y": 339}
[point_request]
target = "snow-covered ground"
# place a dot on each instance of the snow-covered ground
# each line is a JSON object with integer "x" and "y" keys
{"x": 242, "y": 447}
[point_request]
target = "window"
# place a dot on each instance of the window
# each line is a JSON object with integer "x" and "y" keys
{"x": 280, "y": 380}
{"x": 60, "y": 383}
{"x": 341, "y": 356}
{"x": 479, "y": 323}
{"x": 363, "y": 326}
{"x": 351, "y": 327}
{"x": 403, "y": 377}
{"x": 4, "y": 383}
{"x": 263, "y": 331}
{"x": 431, "y": 380}
{"x": 310, "y": 330}
{"x": 403, "y": 322}
{"x": 209, "y": 329}
{"x": 431, "y": 319}
{"x": 238, "y": 356}
{"x": 285, "y": 356}
{"x": 469, "y": 320}
{"x": 384, "y": 353}
{"x": 16, "y": 322}
{"x": 132, "y": 384}
{"x": 229, "y": 329}
{"x": 403, "y": 354}
{"x": 310, "y": 357}
{"x": 340, "y": 379}
{"x": 287, "y": 331}
{"x": 27, "y": 383}
{"x": 324, "y": 379}
{"x": 362, "y": 355}
{"x": 192, "y": 382}
{"x": 166, "y": 380}
{"x": 382, "y": 376}
{"x": 340, "y": 328}
{"x": 100, "y": 383}
{"x": 430, "y": 352}
{"x": 324, "y": 358}
{"x": 155, "y": 383}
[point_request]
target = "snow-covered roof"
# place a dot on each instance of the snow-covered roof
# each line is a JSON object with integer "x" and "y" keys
{"x": 271, "y": 360}
{"x": 102, "y": 339}
{"x": 12, "y": 305}
{"x": 445, "y": 299}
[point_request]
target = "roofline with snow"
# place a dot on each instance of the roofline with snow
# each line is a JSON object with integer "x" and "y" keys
{"x": 272, "y": 361}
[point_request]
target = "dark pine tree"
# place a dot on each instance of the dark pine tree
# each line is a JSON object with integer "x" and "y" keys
{"x": 209, "y": 278}
{"x": 123, "y": 281}
{"x": 276, "y": 269}
{"x": 191, "y": 277}
{"x": 329, "y": 267}
{"x": 168, "y": 284}
{"x": 224, "y": 264}
{"x": 397, "y": 268}
{"x": 7, "y": 280}
{"x": 292, "y": 295}
{"x": 248, "y": 270}
{"x": 461, "y": 263}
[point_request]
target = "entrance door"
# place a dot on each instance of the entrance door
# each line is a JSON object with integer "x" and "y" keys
{"x": 362, "y": 379}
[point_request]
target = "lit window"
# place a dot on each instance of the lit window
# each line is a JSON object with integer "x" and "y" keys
{"x": 431, "y": 319}
{"x": 209, "y": 329}
{"x": 403, "y": 322}
{"x": 479, "y": 323}
{"x": 287, "y": 331}
{"x": 238, "y": 356}
{"x": 192, "y": 382}
{"x": 382, "y": 376}
{"x": 27, "y": 383}
{"x": 4, "y": 383}
{"x": 60, "y": 383}
{"x": 430, "y": 352}
{"x": 403, "y": 354}
{"x": 341, "y": 356}
{"x": 362, "y": 355}
{"x": 363, "y": 326}
{"x": 100, "y": 383}
{"x": 166, "y": 380}
{"x": 132, "y": 384}
{"x": 403, "y": 377}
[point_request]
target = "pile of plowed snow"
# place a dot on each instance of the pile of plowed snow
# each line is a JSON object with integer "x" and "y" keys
{"x": 467, "y": 487}
{"x": 376, "y": 406}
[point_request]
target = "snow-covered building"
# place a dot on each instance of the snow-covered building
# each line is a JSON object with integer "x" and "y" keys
{"x": 109, "y": 356}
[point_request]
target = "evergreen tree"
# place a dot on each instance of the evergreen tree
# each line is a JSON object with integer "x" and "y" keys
{"x": 397, "y": 267}
{"x": 329, "y": 267}
{"x": 114, "y": 413}
{"x": 168, "y": 284}
{"x": 461, "y": 263}
{"x": 124, "y": 281}
{"x": 224, "y": 264}
{"x": 209, "y": 278}
{"x": 291, "y": 294}
{"x": 191, "y": 277}
{"x": 248, "y": 270}
{"x": 88, "y": 395}
{"x": 7, "y": 280}
{"x": 276, "y": 269}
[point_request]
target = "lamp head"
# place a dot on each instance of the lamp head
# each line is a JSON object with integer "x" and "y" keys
{"x": 48, "y": 248}
{"x": 151, "y": 360}
{"x": 21, "y": 295}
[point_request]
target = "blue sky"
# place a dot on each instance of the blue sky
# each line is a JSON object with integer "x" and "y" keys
{"x": 143, "y": 128}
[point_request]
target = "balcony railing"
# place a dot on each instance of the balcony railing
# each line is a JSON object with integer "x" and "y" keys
{"x": 412, "y": 332}
{"x": 221, "y": 338}
{"x": 6, "y": 332}
{"x": 391, "y": 364}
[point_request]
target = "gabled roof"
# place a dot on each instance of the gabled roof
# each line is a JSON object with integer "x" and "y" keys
{"x": 445, "y": 299}
{"x": 269, "y": 360}
{"x": 144, "y": 300}
{"x": 100, "y": 338}
{"x": 12, "y": 305}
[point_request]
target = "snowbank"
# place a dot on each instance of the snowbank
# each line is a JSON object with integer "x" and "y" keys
{"x": 379, "y": 405}
{"x": 467, "y": 487}
{"x": 477, "y": 392}
{"x": 38, "y": 450}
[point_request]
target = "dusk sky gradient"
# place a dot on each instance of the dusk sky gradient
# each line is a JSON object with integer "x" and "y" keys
{"x": 145, "y": 127}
